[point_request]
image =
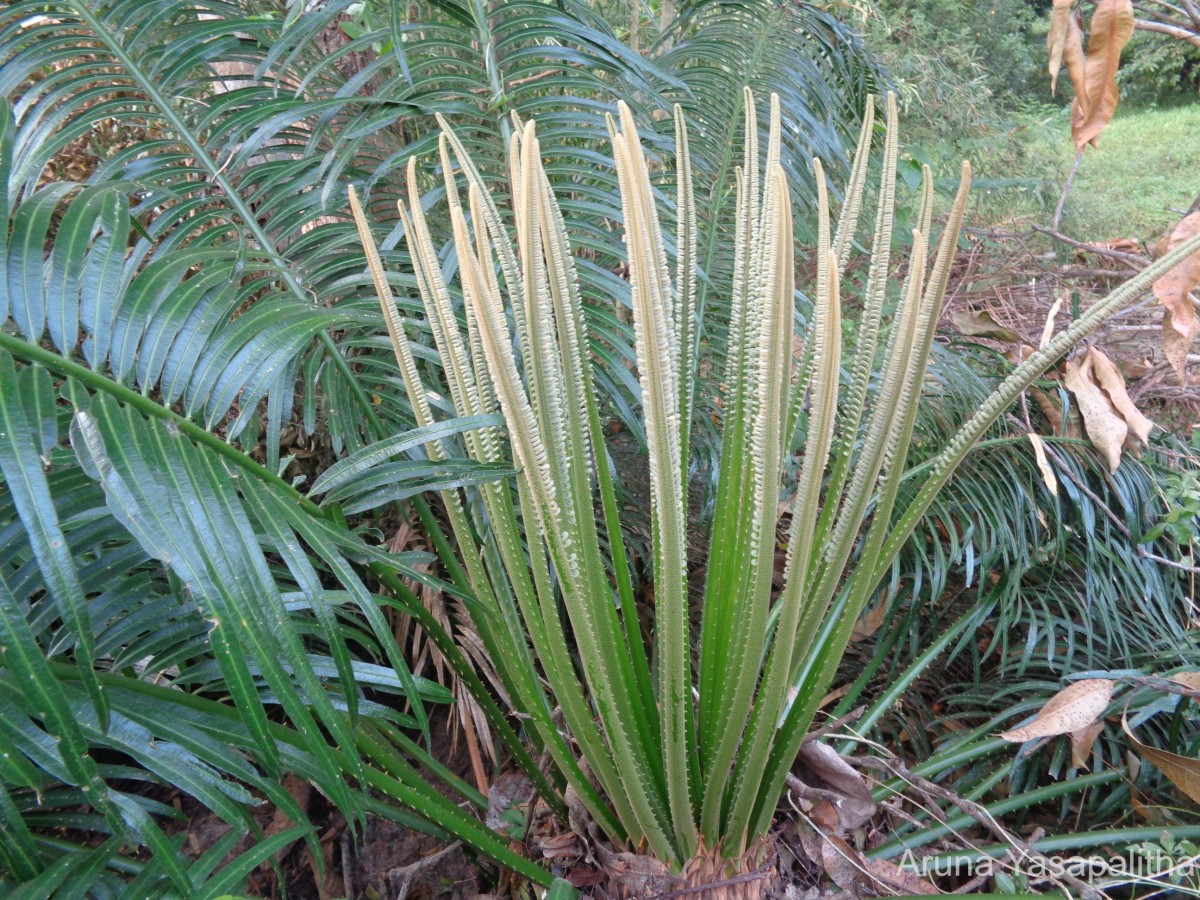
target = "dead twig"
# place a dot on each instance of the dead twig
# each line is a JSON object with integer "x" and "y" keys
{"x": 1092, "y": 273}
{"x": 1062, "y": 198}
{"x": 406, "y": 874}
{"x": 1132, "y": 259}
{"x": 975, "y": 811}
{"x": 808, "y": 792}
{"x": 1158, "y": 683}
{"x": 836, "y": 725}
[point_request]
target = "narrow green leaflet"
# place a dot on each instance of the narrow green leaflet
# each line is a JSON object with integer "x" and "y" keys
{"x": 185, "y": 510}
{"x": 21, "y": 465}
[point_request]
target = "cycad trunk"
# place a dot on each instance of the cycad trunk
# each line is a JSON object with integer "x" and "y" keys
{"x": 707, "y": 876}
{"x": 749, "y": 877}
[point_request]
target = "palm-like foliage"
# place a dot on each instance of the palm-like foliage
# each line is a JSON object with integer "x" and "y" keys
{"x": 1069, "y": 574}
{"x": 478, "y": 65}
{"x": 158, "y": 554}
{"x": 204, "y": 286}
{"x": 189, "y": 297}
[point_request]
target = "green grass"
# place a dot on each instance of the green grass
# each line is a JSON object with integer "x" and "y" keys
{"x": 1144, "y": 173}
{"x": 1135, "y": 184}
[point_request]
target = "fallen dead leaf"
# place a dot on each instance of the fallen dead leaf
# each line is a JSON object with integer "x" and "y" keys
{"x": 1136, "y": 368}
{"x": 1071, "y": 709}
{"x": 302, "y": 793}
{"x": 1109, "y": 378}
{"x": 1105, "y": 428}
{"x": 836, "y": 694}
{"x": 1148, "y": 812}
{"x": 894, "y": 879}
{"x": 1052, "y": 409}
{"x": 845, "y": 865}
{"x": 825, "y": 815}
{"x": 1190, "y": 680}
{"x": 1183, "y": 771}
{"x": 1048, "y": 328}
{"x": 868, "y": 623}
{"x": 981, "y": 323}
{"x": 1123, "y": 245}
{"x": 1082, "y": 740}
{"x": 1043, "y": 464}
{"x": 821, "y": 766}
{"x": 1133, "y": 764}
{"x": 1180, "y": 323}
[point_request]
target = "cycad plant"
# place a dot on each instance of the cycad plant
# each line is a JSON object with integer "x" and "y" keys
{"x": 682, "y": 747}
{"x": 174, "y": 610}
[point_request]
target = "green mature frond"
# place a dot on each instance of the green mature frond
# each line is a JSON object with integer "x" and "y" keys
{"x": 196, "y": 605}
{"x": 166, "y": 308}
{"x": 1067, "y": 584}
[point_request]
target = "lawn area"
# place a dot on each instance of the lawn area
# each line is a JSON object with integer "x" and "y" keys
{"x": 1144, "y": 173}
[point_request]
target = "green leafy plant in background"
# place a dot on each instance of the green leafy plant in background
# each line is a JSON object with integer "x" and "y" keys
{"x": 1182, "y": 496}
{"x": 684, "y": 752}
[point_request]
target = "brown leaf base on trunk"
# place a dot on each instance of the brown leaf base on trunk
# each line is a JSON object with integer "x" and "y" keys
{"x": 707, "y": 876}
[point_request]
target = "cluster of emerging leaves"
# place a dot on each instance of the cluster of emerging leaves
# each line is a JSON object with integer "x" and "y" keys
{"x": 542, "y": 385}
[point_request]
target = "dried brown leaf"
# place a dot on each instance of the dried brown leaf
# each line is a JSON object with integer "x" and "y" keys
{"x": 1179, "y": 333}
{"x": 1073, "y": 58}
{"x": 980, "y": 323}
{"x": 1183, "y": 771}
{"x": 842, "y": 863}
{"x": 824, "y": 815}
{"x": 1111, "y": 28}
{"x": 894, "y": 879}
{"x": 1148, "y": 812}
{"x": 302, "y": 793}
{"x": 1048, "y": 328}
{"x": 1109, "y": 378}
{"x": 1052, "y": 409}
{"x": 1071, "y": 709}
{"x": 868, "y": 623}
{"x": 1123, "y": 245}
{"x": 1056, "y": 39}
{"x": 510, "y": 791}
{"x": 1106, "y": 429}
{"x": 1081, "y": 743}
{"x": 836, "y": 694}
{"x": 1190, "y": 680}
{"x": 821, "y": 766}
{"x": 1043, "y": 464}
{"x": 1180, "y": 325}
